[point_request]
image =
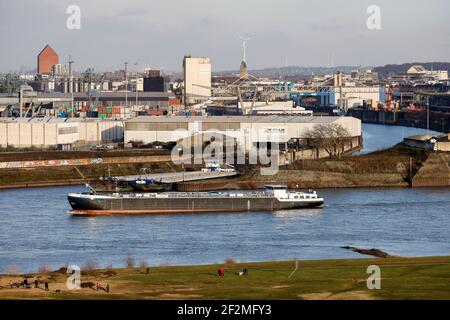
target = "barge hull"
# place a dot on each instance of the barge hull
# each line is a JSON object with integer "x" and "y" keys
{"x": 117, "y": 206}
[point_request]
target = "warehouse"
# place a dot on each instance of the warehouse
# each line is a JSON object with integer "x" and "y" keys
{"x": 351, "y": 96}
{"x": 57, "y": 132}
{"x": 254, "y": 129}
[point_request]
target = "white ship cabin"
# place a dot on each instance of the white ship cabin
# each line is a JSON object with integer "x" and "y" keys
{"x": 282, "y": 192}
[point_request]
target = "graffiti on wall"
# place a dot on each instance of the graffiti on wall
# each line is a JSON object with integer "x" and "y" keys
{"x": 48, "y": 163}
{"x": 80, "y": 162}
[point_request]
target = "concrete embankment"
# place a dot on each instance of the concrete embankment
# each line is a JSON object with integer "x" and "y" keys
{"x": 70, "y": 175}
{"x": 435, "y": 172}
{"x": 58, "y": 168}
{"x": 395, "y": 167}
{"x": 81, "y": 162}
{"x": 70, "y": 182}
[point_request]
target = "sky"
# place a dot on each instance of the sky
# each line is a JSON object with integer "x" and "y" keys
{"x": 158, "y": 34}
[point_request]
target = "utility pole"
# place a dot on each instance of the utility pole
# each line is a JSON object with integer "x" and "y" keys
{"x": 136, "y": 65}
{"x": 71, "y": 82}
{"x": 20, "y": 100}
{"x": 89, "y": 72}
{"x": 126, "y": 84}
{"x": 428, "y": 114}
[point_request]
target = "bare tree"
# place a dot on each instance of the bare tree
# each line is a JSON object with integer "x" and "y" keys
{"x": 143, "y": 264}
{"x": 44, "y": 269}
{"x": 90, "y": 265}
{"x": 130, "y": 262}
{"x": 330, "y": 137}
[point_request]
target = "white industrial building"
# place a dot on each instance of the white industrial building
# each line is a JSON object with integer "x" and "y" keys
{"x": 197, "y": 79}
{"x": 350, "y": 96}
{"x": 419, "y": 71}
{"x": 254, "y": 129}
{"x": 348, "y": 91}
{"x": 57, "y": 132}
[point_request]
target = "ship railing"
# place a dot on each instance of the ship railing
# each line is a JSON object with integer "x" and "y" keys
{"x": 197, "y": 195}
{"x": 215, "y": 195}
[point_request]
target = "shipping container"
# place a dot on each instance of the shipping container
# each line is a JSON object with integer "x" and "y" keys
{"x": 155, "y": 112}
{"x": 174, "y": 102}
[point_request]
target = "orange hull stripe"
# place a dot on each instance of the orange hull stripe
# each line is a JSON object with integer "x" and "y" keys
{"x": 109, "y": 212}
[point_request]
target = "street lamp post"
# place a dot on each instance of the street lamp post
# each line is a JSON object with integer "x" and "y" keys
{"x": 71, "y": 85}
{"x": 428, "y": 114}
{"x": 136, "y": 65}
{"x": 20, "y": 100}
{"x": 126, "y": 84}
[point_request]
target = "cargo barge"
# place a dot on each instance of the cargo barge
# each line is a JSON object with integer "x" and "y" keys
{"x": 272, "y": 198}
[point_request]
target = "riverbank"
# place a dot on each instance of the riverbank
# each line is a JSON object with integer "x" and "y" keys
{"x": 394, "y": 167}
{"x": 391, "y": 168}
{"x": 75, "y": 175}
{"x": 401, "y": 278}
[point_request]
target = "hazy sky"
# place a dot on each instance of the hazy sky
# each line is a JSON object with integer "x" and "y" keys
{"x": 159, "y": 33}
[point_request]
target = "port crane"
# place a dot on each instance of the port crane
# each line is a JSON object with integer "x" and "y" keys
{"x": 93, "y": 95}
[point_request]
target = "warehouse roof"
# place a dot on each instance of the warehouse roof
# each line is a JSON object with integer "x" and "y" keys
{"x": 240, "y": 119}
{"x": 106, "y": 94}
{"x": 54, "y": 120}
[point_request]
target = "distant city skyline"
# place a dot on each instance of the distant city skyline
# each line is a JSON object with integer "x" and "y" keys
{"x": 158, "y": 35}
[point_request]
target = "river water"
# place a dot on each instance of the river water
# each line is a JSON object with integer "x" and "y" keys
{"x": 36, "y": 230}
{"x": 378, "y": 137}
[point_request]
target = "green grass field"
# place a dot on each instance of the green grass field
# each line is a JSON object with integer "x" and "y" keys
{"x": 401, "y": 278}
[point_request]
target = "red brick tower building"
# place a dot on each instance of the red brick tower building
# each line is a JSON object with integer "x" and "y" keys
{"x": 46, "y": 59}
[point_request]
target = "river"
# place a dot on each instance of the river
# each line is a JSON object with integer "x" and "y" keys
{"x": 36, "y": 230}
{"x": 378, "y": 137}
